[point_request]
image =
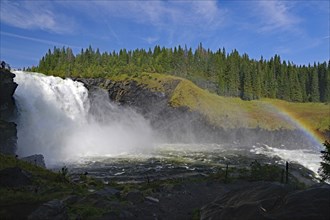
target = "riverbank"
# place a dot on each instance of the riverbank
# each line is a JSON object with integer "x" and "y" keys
{"x": 255, "y": 191}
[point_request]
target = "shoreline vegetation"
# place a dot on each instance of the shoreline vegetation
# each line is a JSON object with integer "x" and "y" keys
{"x": 43, "y": 193}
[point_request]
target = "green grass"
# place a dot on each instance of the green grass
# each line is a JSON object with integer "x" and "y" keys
{"x": 315, "y": 115}
{"x": 38, "y": 172}
{"x": 50, "y": 185}
{"x": 85, "y": 211}
{"x": 155, "y": 82}
{"x": 230, "y": 112}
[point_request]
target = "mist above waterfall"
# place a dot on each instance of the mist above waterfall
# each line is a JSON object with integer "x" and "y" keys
{"x": 60, "y": 119}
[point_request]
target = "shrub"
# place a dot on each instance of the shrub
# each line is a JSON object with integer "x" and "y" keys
{"x": 324, "y": 170}
{"x": 265, "y": 172}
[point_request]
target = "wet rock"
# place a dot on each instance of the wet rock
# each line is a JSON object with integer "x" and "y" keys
{"x": 100, "y": 195}
{"x": 108, "y": 191}
{"x": 14, "y": 177}
{"x": 152, "y": 199}
{"x": 122, "y": 214}
{"x": 135, "y": 196}
{"x": 71, "y": 199}
{"x": 36, "y": 159}
{"x": 110, "y": 216}
{"x": 125, "y": 214}
{"x": 54, "y": 209}
{"x": 312, "y": 203}
{"x": 270, "y": 201}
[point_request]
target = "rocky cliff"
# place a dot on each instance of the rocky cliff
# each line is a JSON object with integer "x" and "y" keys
{"x": 177, "y": 122}
{"x": 8, "y": 132}
{"x": 171, "y": 123}
{"x": 264, "y": 200}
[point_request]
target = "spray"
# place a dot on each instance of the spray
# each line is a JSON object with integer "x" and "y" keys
{"x": 60, "y": 119}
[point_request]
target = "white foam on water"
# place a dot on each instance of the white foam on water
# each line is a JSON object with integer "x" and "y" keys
{"x": 308, "y": 158}
{"x": 58, "y": 119}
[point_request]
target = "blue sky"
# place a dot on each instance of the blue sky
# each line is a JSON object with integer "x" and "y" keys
{"x": 296, "y": 30}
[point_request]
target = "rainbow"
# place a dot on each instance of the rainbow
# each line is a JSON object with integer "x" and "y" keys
{"x": 316, "y": 138}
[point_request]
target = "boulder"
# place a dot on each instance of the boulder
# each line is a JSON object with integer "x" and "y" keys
{"x": 36, "y": 159}
{"x": 312, "y": 203}
{"x": 135, "y": 196}
{"x": 270, "y": 201}
{"x": 54, "y": 209}
{"x": 14, "y": 177}
{"x": 108, "y": 192}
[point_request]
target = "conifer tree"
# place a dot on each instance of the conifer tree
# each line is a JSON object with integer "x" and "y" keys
{"x": 295, "y": 88}
{"x": 233, "y": 74}
{"x": 324, "y": 170}
{"x": 314, "y": 86}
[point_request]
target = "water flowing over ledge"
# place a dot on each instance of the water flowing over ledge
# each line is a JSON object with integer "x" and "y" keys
{"x": 59, "y": 119}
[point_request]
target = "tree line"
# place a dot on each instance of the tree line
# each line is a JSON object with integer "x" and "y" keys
{"x": 228, "y": 74}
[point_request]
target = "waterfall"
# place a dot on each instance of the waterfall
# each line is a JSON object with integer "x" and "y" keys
{"x": 61, "y": 120}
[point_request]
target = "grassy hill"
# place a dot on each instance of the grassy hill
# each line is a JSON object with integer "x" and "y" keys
{"x": 229, "y": 112}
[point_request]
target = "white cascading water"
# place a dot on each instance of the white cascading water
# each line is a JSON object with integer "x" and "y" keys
{"x": 58, "y": 119}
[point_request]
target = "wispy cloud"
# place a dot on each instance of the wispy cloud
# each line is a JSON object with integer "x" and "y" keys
{"x": 165, "y": 16}
{"x": 35, "y": 15}
{"x": 157, "y": 13}
{"x": 150, "y": 40}
{"x": 276, "y": 15}
{"x": 38, "y": 40}
{"x": 204, "y": 14}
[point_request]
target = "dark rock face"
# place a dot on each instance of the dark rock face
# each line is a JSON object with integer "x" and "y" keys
{"x": 54, "y": 209}
{"x": 8, "y": 137}
{"x": 7, "y": 89}
{"x": 14, "y": 177}
{"x": 182, "y": 125}
{"x": 172, "y": 124}
{"x": 270, "y": 201}
{"x": 37, "y": 159}
{"x": 8, "y": 132}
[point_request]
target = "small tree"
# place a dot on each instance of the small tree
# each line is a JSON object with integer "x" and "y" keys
{"x": 324, "y": 170}
{"x": 4, "y": 65}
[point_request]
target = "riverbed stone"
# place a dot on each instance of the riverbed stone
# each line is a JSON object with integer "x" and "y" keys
{"x": 36, "y": 159}
{"x": 270, "y": 201}
{"x": 135, "y": 196}
{"x": 14, "y": 177}
{"x": 52, "y": 210}
{"x": 108, "y": 191}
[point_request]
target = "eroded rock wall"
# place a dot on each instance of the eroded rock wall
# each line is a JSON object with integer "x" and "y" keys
{"x": 180, "y": 124}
